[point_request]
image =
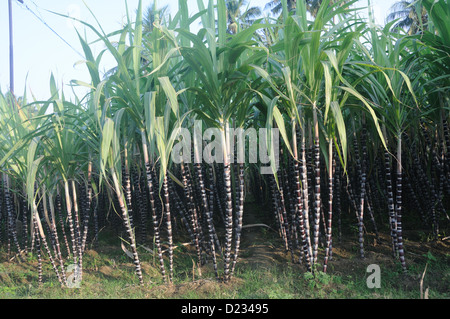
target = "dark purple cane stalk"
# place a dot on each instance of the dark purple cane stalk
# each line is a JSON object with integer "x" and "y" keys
{"x": 371, "y": 213}
{"x": 207, "y": 212}
{"x": 126, "y": 210}
{"x": 229, "y": 221}
{"x": 391, "y": 207}
{"x": 10, "y": 213}
{"x": 317, "y": 195}
{"x": 398, "y": 203}
{"x": 71, "y": 222}
{"x": 38, "y": 251}
{"x": 283, "y": 200}
{"x": 169, "y": 226}
{"x": 61, "y": 220}
{"x": 43, "y": 240}
{"x": 87, "y": 207}
{"x": 77, "y": 228}
{"x": 330, "y": 205}
{"x": 239, "y": 215}
{"x": 275, "y": 206}
{"x": 363, "y": 176}
{"x": 151, "y": 194}
{"x": 54, "y": 233}
{"x": 307, "y": 248}
{"x": 337, "y": 202}
{"x": 191, "y": 209}
{"x": 228, "y": 205}
{"x": 298, "y": 170}
{"x": 181, "y": 210}
{"x": 139, "y": 189}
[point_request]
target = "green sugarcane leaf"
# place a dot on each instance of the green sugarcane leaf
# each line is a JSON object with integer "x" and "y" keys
{"x": 340, "y": 123}
{"x": 31, "y": 178}
{"x": 222, "y": 21}
{"x": 265, "y": 75}
{"x": 137, "y": 46}
{"x": 163, "y": 63}
{"x": 171, "y": 94}
{"x": 17, "y": 147}
{"x": 81, "y": 83}
{"x": 281, "y": 127}
{"x": 328, "y": 86}
{"x": 107, "y": 136}
{"x": 355, "y": 93}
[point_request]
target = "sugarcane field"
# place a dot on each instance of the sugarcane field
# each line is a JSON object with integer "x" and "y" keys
{"x": 227, "y": 149}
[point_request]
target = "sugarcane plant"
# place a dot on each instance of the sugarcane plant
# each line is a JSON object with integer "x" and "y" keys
{"x": 355, "y": 119}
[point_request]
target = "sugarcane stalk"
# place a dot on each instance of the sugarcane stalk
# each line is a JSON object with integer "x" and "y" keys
{"x": 169, "y": 226}
{"x": 317, "y": 195}
{"x": 125, "y": 216}
{"x": 398, "y": 204}
{"x": 330, "y": 205}
{"x": 150, "y": 186}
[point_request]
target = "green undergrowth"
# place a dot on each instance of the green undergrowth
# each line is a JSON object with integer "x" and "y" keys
{"x": 109, "y": 273}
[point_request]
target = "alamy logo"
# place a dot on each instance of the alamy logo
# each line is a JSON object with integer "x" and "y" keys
{"x": 74, "y": 279}
{"x": 374, "y": 279}
{"x": 213, "y": 144}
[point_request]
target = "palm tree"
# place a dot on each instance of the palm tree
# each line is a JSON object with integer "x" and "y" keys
{"x": 313, "y": 5}
{"x": 238, "y": 19}
{"x": 411, "y": 15}
{"x": 152, "y": 14}
{"x": 276, "y": 6}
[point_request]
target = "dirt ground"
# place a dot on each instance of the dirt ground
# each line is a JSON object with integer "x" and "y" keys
{"x": 261, "y": 247}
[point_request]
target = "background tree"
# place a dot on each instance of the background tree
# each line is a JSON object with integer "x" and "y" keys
{"x": 276, "y": 6}
{"x": 239, "y": 15}
{"x": 411, "y": 14}
{"x": 151, "y": 14}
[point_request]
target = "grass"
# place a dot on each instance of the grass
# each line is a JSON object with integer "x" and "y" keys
{"x": 263, "y": 272}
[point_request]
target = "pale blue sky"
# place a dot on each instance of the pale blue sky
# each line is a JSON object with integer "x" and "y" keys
{"x": 38, "y": 51}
